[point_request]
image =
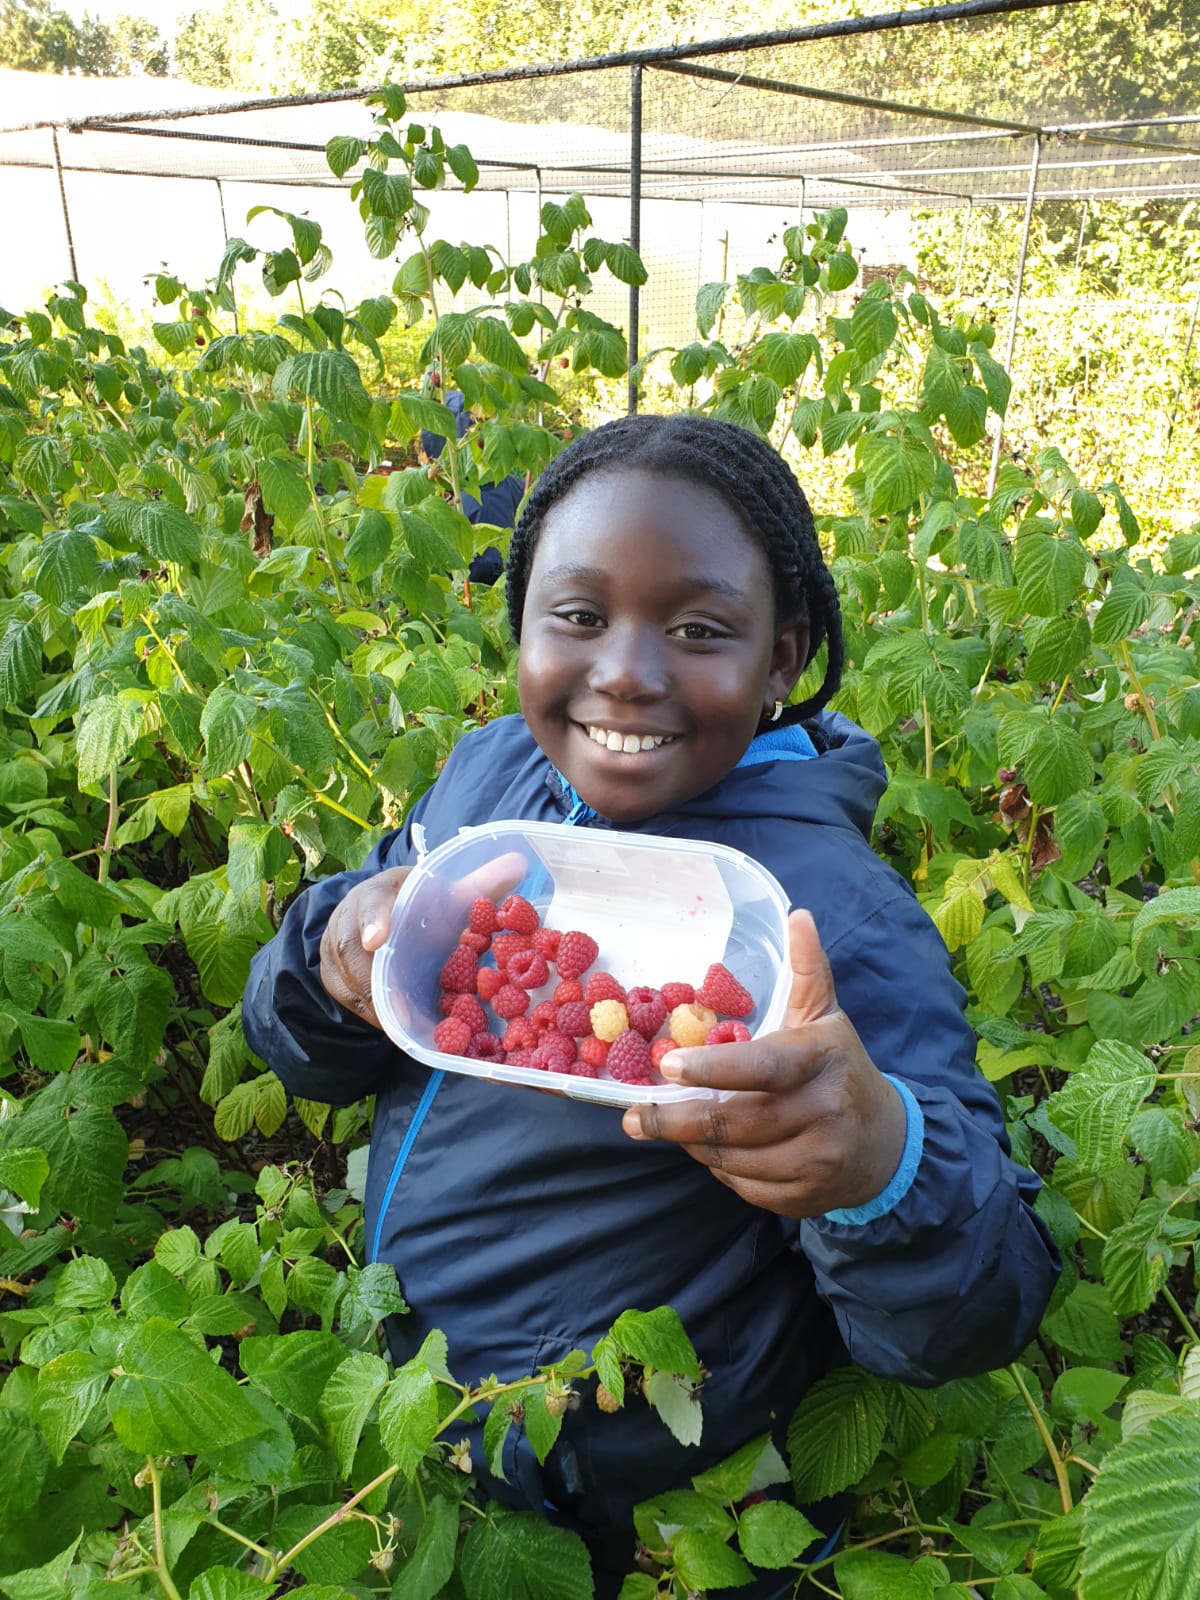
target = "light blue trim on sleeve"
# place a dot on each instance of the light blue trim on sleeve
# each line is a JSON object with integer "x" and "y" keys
{"x": 890, "y": 1197}
{"x": 789, "y": 743}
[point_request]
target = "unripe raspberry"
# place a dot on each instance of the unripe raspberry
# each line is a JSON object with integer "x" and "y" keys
{"x": 690, "y": 1024}
{"x": 557, "y": 1401}
{"x": 609, "y": 1019}
{"x": 606, "y": 1400}
{"x": 511, "y": 1001}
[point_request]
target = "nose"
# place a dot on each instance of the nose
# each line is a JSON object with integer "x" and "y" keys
{"x": 629, "y": 663}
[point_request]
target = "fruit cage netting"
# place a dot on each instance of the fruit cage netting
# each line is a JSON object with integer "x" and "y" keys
{"x": 699, "y": 154}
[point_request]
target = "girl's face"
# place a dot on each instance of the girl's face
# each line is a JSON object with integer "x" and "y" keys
{"x": 649, "y": 646}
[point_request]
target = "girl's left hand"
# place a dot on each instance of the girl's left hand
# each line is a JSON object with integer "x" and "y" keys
{"x": 815, "y": 1126}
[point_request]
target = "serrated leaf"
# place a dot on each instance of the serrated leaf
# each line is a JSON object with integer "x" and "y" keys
{"x": 1049, "y": 570}
{"x": 1141, "y": 1532}
{"x": 1098, "y": 1102}
{"x": 330, "y": 378}
{"x": 873, "y": 324}
{"x": 899, "y": 468}
{"x": 677, "y": 1402}
{"x": 835, "y": 1433}
{"x": 408, "y": 1416}
{"x": 429, "y": 1567}
{"x": 709, "y": 300}
{"x": 773, "y": 1534}
{"x": 20, "y": 660}
{"x": 657, "y": 1339}
{"x": 518, "y": 1555}
{"x": 107, "y": 732}
{"x": 169, "y": 1398}
{"x": 347, "y": 1402}
{"x": 68, "y": 1390}
{"x": 293, "y": 1369}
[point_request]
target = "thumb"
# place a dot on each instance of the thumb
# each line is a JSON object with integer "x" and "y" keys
{"x": 812, "y": 993}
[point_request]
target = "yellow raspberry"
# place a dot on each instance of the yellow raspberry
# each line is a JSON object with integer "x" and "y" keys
{"x": 609, "y": 1019}
{"x": 690, "y": 1024}
{"x": 606, "y": 1400}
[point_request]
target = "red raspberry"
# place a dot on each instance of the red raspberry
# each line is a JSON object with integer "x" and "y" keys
{"x": 510, "y": 1002}
{"x": 518, "y": 916}
{"x": 506, "y": 945}
{"x": 488, "y": 982}
{"x": 677, "y": 994}
{"x": 446, "y": 1003}
{"x": 569, "y": 990}
{"x": 453, "y": 1036}
{"x": 593, "y": 1051}
{"x": 472, "y": 1013}
{"x": 583, "y": 1069}
{"x": 728, "y": 1033}
{"x": 543, "y": 1060}
{"x": 575, "y": 1019}
{"x": 485, "y": 1047}
{"x": 628, "y": 1059}
{"x": 544, "y": 1015}
{"x": 660, "y": 1048}
{"x": 459, "y": 972}
{"x": 724, "y": 993}
{"x": 547, "y": 941}
{"x": 480, "y": 943}
{"x": 560, "y": 1047}
{"x": 482, "y": 917}
{"x": 576, "y": 952}
{"x": 520, "y": 1035}
{"x": 528, "y": 968}
{"x": 603, "y": 986}
{"x": 519, "y": 1058}
{"x": 647, "y": 1011}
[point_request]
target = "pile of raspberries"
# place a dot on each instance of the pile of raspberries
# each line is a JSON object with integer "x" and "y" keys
{"x": 589, "y": 1023}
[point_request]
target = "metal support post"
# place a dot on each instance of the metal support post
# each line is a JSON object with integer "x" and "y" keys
{"x": 635, "y": 221}
{"x": 1083, "y": 216}
{"x": 62, "y": 195}
{"x": 962, "y": 249}
{"x": 1030, "y": 196}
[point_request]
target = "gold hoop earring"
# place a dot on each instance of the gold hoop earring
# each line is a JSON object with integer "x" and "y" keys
{"x": 777, "y": 713}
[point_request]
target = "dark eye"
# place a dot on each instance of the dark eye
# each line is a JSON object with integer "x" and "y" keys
{"x": 698, "y": 631}
{"x": 582, "y": 618}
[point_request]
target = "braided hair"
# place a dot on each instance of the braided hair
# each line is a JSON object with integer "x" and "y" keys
{"x": 750, "y": 477}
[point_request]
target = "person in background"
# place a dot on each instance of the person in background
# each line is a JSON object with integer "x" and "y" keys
{"x": 497, "y": 503}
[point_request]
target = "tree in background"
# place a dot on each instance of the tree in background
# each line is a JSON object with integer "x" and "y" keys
{"x": 38, "y": 37}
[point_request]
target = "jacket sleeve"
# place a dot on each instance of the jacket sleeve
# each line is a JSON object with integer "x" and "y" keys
{"x": 954, "y": 1277}
{"x": 317, "y": 1047}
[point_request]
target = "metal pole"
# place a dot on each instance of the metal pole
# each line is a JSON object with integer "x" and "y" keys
{"x": 635, "y": 221}
{"x": 62, "y": 195}
{"x": 1083, "y": 216}
{"x": 1030, "y": 196}
{"x": 962, "y": 250}
{"x": 537, "y": 176}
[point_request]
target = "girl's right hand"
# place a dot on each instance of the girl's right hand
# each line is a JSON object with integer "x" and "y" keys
{"x": 357, "y": 928}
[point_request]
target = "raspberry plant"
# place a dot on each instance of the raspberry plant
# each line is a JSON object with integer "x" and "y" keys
{"x": 233, "y": 650}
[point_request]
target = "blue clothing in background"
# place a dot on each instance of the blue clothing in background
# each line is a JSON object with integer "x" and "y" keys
{"x": 497, "y": 503}
{"x": 523, "y": 1224}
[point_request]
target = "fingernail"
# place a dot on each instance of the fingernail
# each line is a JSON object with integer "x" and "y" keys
{"x": 370, "y": 930}
{"x": 632, "y": 1123}
{"x": 671, "y": 1066}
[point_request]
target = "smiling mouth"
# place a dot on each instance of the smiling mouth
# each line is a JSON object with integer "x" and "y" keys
{"x": 627, "y": 743}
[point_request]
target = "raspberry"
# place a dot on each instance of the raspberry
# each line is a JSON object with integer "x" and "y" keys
{"x": 528, "y": 968}
{"x": 511, "y": 1001}
{"x": 724, "y": 993}
{"x": 583, "y": 1069}
{"x": 574, "y": 1019}
{"x": 560, "y": 1047}
{"x": 446, "y": 1003}
{"x": 480, "y": 943}
{"x": 482, "y": 917}
{"x": 603, "y": 986}
{"x": 728, "y": 1033}
{"x": 518, "y": 916}
{"x": 609, "y": 1018}
{"x": 546, "y": 940}
{"x": 520, "y": 1035}
{"x": 485, "y": 1047}
{"x": 628, "y": 1060}
{"x": 660, "y": 1048}
{"x": 453, "y": 1036}
{"x": 544, "y": 1015}
{"x": 677, "y": 994}
{"x": 593, "y": 1052}
{"x": 488, "y": 982}
{"x": 690, "y": 1024}
{"x": 647, "y": 1011}
{"x": 568, "y": 990}
{"x": 576, "y": 952}
{"x": 519, "y": 1058}
{"x": 459, "y": 972}
{"x": 606, "y": 1400}
{"x": 506, "y": 945}
{"x": 472, "y": 1013}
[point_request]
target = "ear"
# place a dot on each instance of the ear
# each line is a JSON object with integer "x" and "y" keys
{"x": 788, "y": 660}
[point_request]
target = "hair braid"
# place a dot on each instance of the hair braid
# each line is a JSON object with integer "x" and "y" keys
{"x": 748, "y": 474}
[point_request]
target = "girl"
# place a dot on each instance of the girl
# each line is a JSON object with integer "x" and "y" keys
{"x": 856, "y": 1200}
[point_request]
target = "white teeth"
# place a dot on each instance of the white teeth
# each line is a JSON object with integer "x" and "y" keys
{"x": 627, "y": 743}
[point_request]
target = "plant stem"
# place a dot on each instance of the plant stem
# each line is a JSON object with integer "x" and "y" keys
{"x": 259, "y": 1550}
{"x": 160, "y": 1558}
{"x": 110, "y": 829}
{"x": 170, "y": 655}
{"x": 1056, "y": 1461}
{"x": 340, "y": 1515}
{"x": 1185, "y": 1322}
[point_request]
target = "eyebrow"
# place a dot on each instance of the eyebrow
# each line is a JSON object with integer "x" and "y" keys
{"x": 573, "y": 572}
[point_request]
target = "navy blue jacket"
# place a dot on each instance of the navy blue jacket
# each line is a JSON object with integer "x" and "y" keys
{"x": 522, "y": 1224}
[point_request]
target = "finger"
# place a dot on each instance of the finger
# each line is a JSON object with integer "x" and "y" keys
{"x": 750, "y": 1123}
{"x": 772, "y": 1065}
{"x": 812, "y": 995}
{"x": 493, "y": 880}
{"x": 375, "y": 899}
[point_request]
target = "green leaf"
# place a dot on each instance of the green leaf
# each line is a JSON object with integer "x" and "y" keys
{"x": 388, "y": 194}
{"x": 20, "y": 660}
{"x": 170, "y": 1398}
{"x": 1085, "y": 1393}
{"x": 165, "y": 532}
{"x": 107, "y": 732}
{"x": 225, "y": 724}
{"x": 23, "y": 1171}
{"x": 757, "y": 1465}
{"x": 542, "y": 1427}
{"x": 874, "y": 323}
{"x": 69, "y": 1388}
{"x": 133, "y": 1008}
{"x": 342, "y": 152}
{"x": 875, "y": 1575}
{"x": 709, "y": 301}
{"x": 68, "y": 566}
{"x": 1049, "y": 570}
{"x": 1055, "y": 761}
{"x": 26, "y": 1461}
{"x": 496, "y": 344}
{"x": 625, "y": 263}
{"x": 429, "y": 1567}
{"x": 942, "y": 380}
{"x": 705, "y": 1562}
{"x": 784, "y": 355}
{"x": 1056, "y": 646}
{"x": 86, "y": 1150}
{"x": 369, "y": 544}
{"x": 1085, "y": 1324}
{"x": 657, "y": 1339}
{"x": 85, "y": 1283}
{"x": 835, "y": 1433}
{"x": 774, "y": 1534}
{"x": 899, "y": 468}
{"x": 1098, "y": 1102}
{"x": 408, "y": 1416}
{"x": 1126, "y": 607}
{"x": 677, "y": 1402}
{"x": 515, "y": 1554}
{"x": 1141, "y": 1535}
{"x": 285, "y": 489}
{"x": 462, "y": 164}
{"x": 293, "y": 1369}
{"x": 329, "y": 377}
{"x": 347, "y": 1402}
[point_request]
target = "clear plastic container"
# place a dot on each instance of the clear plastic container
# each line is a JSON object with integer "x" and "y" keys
{"x": 661, "y": 910}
